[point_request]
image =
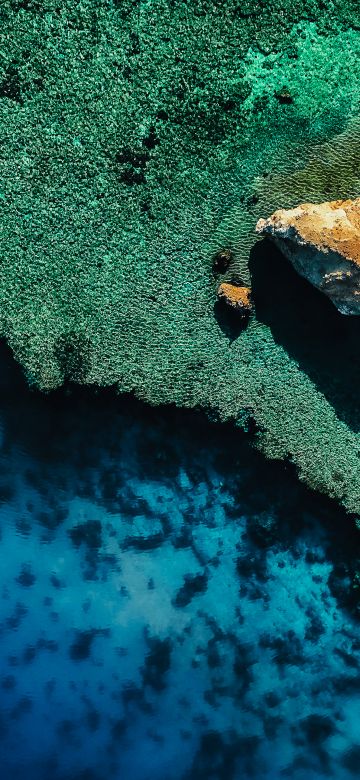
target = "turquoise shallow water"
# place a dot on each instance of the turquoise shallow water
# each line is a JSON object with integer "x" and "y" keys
{"x": 171, "y": 605}
{"x": 139, "y": 138}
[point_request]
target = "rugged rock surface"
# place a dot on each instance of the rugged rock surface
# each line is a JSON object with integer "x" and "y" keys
{"x": 238, "y": 297}
{"x": 322, "y": 241}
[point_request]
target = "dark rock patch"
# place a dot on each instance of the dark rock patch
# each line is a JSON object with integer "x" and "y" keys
{"x": 144, "y": 542}
{"x": 88, "y": 533}
{"x": 81, "y": 647}
{"x": 316, "y": 728}
{"x": 349, "y": 660}
{"x": 157, "y": 662}
{"x": 26, "y": 578}
{"x": 315, "y": 627}
{"x": 263, "y": 529}
{"x": 287, "y": 649}
{"x": 13, "y": 621}
{"x": 194, "y": 584}
{"x": 351, "y": 760}
{"x": 56, "y": 582}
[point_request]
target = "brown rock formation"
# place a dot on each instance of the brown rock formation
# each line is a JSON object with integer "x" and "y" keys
{"x": 239, "y": 298}
{"x": 322, "y": 241}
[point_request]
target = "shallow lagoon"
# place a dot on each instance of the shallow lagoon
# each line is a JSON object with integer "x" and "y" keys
{"x": 172, "y": 605}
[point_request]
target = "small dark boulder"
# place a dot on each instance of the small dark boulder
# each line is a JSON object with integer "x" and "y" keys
{"x": 222, "y": 260}
{"x": 193, "y": 585}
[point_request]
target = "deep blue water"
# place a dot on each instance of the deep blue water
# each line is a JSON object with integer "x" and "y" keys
{"x": 172, "y": 605}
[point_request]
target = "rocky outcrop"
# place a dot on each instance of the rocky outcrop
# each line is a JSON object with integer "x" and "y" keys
{"x": 322, "y": 241}
{"x": 239, "y": 298}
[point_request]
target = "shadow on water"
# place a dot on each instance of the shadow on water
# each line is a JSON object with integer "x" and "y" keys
{"x": 71, "y": 432}
{"x": 324, "y": 342}
{"x": 229, "y": 320}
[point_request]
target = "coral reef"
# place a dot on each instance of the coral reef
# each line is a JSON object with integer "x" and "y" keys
{"x": 138, "y": 141}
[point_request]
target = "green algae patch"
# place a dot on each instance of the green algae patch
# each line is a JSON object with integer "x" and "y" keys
{"x": 139, "y": 139}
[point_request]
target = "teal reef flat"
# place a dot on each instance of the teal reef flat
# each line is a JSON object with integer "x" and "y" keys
{"x": 140, "y": 139}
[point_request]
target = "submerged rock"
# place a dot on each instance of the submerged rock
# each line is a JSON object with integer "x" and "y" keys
{"x": 222, "y": 261}
{"x": 236, "y": 296}
{"x": 322, "y": 241}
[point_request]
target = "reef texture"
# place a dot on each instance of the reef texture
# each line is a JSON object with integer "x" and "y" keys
{"x": 141, "y": 140}
{"x": 322, "y": 241}
{"x": 236, "y": 296}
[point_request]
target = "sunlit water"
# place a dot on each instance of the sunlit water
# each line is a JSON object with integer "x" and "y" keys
{"x": 172, "y": 606}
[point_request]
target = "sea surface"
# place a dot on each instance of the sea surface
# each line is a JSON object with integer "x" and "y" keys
{"x": 172, "y": 605}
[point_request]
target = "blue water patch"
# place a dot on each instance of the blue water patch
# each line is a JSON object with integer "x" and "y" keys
{"x": 172, "y": 606}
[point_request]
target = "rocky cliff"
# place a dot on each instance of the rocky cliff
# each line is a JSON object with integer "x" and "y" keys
{"x": 322, "y": 241}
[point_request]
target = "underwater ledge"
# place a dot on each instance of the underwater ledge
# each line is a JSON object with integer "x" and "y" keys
{"x": 39, "y": 424}
{"x": 117, "y": 195}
